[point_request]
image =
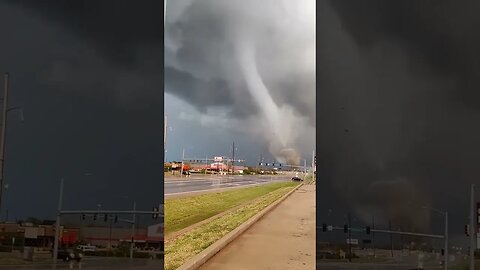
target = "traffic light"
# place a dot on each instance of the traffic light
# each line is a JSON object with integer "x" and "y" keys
{"x": 83, "y": 216}
{"x": 345, "y": 228}
{"x": 105, "y": 218}
{"x": 155, "y": 214}
{"x": 467, "y": 230}
{"x": 116, "y": 219}
{"x": 324, "y": 227}
{"x": 368, "y": 229}
{"x": 280, "y": 165}
{"x": 443, "y": 252}
{"x": 95, "y": 217}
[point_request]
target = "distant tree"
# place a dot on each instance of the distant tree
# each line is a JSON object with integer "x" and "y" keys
{"x": 34, "y": 221}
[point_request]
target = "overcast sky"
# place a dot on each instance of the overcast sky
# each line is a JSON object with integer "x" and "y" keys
{"x": 209, "y": 98}
{"x": 88, "y": 77}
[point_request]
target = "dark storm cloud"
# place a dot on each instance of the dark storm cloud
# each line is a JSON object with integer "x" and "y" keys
{"x": 91, "y": 90}
{"x": 117, "y": 47}
{"x": 204, "y": 33}
{"x": 205, "y": 93}
{"x": 397, "y": 103}
{"x": 439, "y": 33}
{"x": 263, "y": 57}
{"x": 116, "y": 28}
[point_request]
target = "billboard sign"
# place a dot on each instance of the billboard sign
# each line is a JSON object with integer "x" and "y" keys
{"x": 31, "y": 232}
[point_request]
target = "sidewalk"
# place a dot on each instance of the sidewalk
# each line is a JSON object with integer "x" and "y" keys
{"x": 282, "y": 239}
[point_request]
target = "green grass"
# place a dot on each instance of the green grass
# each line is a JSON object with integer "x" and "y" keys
{"x": 183, "y": 212}
{"x": 466, "y": 265}
{"x": 179, "y": 250}
{"x": 12, "y": 261}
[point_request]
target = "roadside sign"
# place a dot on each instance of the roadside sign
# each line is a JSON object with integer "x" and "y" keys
{"x": 478, "y": 214}
{"x": 330, "y": 228}
{"x": 352, "y": 241}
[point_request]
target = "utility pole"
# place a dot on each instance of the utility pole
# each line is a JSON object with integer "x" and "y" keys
{"x": 165, "y": 139}
{"x": 133, "y": 229}
{"x": 57, "y": 224}
{"x": 183, "y": 157}
{"x": 233, "y": 158}
{"x": 473, "y": 231}
{"x": 110, "y": 233}
{"x": 373, "y": 235}
{"x": 349, "y": 238}
{"x": 3, "y": 133}
{"x": 305, "y": 168}
{"x": 206, "y": 164}
{"x": 391, "y": 237}
{"x": 313, "y": 165}
{"x": 446, "y": 241}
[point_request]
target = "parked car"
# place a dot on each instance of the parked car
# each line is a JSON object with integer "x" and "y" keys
{"x": 86, "y": 248}
{"x": 70, "y": 254}
{"x": 186, "y": 173}
{"x": 296, "y": 178}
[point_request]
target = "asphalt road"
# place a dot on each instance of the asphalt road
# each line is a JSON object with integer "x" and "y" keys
{"x": 198, "y": 184}
{"x": 406, "y": 265}
{"x": 96, "y": 264}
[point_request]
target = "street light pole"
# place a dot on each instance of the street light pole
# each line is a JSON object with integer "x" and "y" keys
{"x": 183, "y": 157}
{"x": 446, "y": 234}
{"x": 133, "y": 229}
{"x": 5, "y": 198}
{"x": 57, "y": 224}
{"x": 233, "y": 158}
{"x": 165, "y": 140}
{"x": 3, "y": 133}
{"x": 349, "y": 239}
{"x": 446, "y": 241}
{"x": 373, "y": 236}
{"x": 472, "y": 227}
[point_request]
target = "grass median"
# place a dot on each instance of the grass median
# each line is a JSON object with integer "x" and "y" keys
{"x": 183, "y": 212}
{"x": 182, "y": 248}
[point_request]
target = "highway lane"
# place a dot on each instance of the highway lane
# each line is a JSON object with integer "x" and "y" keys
{"x": 193, "y": 185}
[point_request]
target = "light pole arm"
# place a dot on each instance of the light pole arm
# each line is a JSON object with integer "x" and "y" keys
{"x": 436, "y": 210}
{"x": 18, "y": 108}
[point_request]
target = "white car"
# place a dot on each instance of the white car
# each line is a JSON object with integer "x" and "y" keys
{"x": 87, "y": 248}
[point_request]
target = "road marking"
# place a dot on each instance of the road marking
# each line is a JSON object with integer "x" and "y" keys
{"x": 211, "y": 189}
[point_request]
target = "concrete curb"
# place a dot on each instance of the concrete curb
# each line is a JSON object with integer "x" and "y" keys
{"x": 201, "y": 258}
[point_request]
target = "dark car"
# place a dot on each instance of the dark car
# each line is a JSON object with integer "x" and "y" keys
{"x": 70, "y": 254}
{"x": 186, "y": 173}
{"x": 296, "y": 178}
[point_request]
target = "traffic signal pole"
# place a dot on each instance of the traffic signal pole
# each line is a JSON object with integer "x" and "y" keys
{"x": 133, "y": 229}
{"x": 473, "y": 230}
{"x": 373, "y": 235}
{"x": 349, "y": 239}
{"x": 57, "y": 224}
{"x": 446, "y": 241}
